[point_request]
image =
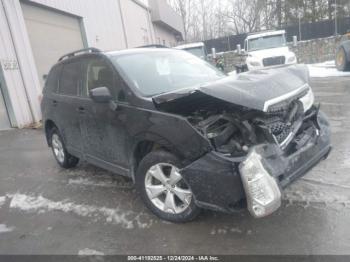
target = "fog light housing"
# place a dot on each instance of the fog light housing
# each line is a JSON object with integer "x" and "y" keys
{"x": 292, "y": 59}
{"x": 262, "y": 191}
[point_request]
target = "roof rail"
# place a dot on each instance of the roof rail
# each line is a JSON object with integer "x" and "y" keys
{"x": 265, "y": 31}
{"x": 152, "y": 46}
{"x": 86, "y": 50}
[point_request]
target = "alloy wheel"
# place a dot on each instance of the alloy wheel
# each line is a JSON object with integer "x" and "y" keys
{"x": 166, "y": 189}
{"x": 57, "y": 147}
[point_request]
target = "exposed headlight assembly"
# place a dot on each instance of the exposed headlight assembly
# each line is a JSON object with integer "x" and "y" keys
{"x": 262, "y": 191}
{"x": 308, "y": 100}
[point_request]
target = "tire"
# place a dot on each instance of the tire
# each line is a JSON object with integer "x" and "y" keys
{"x": 341, "y": 61}
{"x": 63, "y": 158}
{"x": 167, "y": 203}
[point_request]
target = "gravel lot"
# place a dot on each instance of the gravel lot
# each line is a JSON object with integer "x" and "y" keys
{"x": 47, "y": 210}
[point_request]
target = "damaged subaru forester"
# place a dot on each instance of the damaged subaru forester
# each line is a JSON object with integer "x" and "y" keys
{"x": 190, "y": 136}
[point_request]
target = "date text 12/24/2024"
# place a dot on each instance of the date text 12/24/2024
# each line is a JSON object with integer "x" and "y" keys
{"x": 173, "y": 258}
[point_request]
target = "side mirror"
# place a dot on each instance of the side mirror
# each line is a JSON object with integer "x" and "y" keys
{"x": 100, "y": 95}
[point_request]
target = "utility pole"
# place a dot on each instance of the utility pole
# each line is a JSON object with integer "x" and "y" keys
{"x": 335, "y": 17}
{"x": 299, "y": 18}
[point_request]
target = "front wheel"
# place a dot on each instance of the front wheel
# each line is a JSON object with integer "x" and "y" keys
{"x": 341, "y": 61}
{"x": 163, "y": 189}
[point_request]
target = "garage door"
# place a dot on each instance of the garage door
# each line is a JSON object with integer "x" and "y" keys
{"x": 52, "y": 34}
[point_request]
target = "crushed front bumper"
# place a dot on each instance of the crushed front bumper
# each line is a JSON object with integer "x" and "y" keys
{"x": 220, "y": 183}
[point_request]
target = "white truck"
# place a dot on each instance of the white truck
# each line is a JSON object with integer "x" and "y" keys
{"x": 197, "y": 49}
{"x": 267, "y": 49}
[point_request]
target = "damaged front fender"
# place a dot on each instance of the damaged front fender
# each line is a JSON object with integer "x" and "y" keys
{"x": 220, "y": 183}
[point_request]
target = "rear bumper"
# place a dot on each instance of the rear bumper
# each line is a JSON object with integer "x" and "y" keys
{"x": 218, "y": 183}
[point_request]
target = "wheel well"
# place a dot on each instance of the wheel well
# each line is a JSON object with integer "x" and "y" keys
{"x": 142, "y": 149}
{"x": 49, "y": 124}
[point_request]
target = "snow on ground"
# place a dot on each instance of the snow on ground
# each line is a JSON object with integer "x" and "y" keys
{"x": 5, "y": 229}
{"x": 326, "y": 69}
{"x": 39, "y": 204}
{"x": 89, "y": 252}
{"x": 110, "y": 183}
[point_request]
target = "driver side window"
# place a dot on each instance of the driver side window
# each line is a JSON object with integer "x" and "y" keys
{"x": 99, "y": 74}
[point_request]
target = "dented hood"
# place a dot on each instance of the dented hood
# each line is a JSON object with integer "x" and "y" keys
{"x": 253, "y": 89}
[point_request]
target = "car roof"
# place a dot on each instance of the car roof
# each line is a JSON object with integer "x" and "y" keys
{"x": 138, "y": 51}
{"x": 265, "y": 33}
{"x": 79, "y": 54}
{"x": 191, "y": 45}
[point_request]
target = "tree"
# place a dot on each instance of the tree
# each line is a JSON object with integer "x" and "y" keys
{"x": 184, "y": 8}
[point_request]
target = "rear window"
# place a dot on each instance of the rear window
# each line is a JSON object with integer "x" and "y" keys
{"x": 70, "y": 78}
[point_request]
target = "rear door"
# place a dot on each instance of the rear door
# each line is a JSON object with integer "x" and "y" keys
{"x": 67, "y": 105}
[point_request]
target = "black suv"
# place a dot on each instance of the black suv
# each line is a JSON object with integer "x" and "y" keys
{"x": 188, "y": 135}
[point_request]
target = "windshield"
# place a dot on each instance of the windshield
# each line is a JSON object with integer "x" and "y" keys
{"x": 266, "y": 42}
{"x": 197, "y": 51}
{"x": 162, "y": 71}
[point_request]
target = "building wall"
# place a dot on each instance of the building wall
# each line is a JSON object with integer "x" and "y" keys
{"x": 101, "y": 19}
{"x": 164, "y": 37}
{"x": 106, "y": 24}
{"x": 138, "y": 25}
{"x": 22, "y": 87}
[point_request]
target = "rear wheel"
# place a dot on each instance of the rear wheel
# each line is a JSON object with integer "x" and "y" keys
{"x": 163, "y": 189}
{"x": 341, "y": 61}
{"x": 63, "y": 158}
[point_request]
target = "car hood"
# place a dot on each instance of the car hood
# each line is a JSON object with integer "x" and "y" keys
{"x": 261, "y": 54}
{"x": 254, "y": 89}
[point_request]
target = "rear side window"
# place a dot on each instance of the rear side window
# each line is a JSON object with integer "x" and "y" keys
{"x": 70, "y": 79}
{"x": 52, "y": 80}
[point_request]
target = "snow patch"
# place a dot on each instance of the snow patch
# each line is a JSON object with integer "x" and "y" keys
{"x": 90, "y": 252}
{"x": 40, "y": 204}
{"x": 326, "y": 69}
{"x": 89, "y": 182}
{"x": 5, "y": 229}
{"x": 2, "y": 201}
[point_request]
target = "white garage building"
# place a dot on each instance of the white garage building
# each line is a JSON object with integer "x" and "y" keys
{"x": 35, "y": 33}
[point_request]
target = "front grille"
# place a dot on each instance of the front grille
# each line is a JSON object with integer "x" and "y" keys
{"x": 281, "y": 120}
{"x": 279, "y": 129}
{"x": 272, "y": 61}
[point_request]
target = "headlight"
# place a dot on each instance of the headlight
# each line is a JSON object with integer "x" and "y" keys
{"x": 261, "y": 189}
{"x": 254, "y": 63}
{"x": 308, "y": 100}
{"x": 292, "y": 59}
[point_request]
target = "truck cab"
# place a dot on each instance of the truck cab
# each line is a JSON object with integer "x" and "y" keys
{"x": 197, "y": 49}
{"x": 267, "y": 49}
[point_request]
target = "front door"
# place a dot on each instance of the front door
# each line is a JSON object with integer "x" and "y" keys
{"x": 103, "y": 127}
